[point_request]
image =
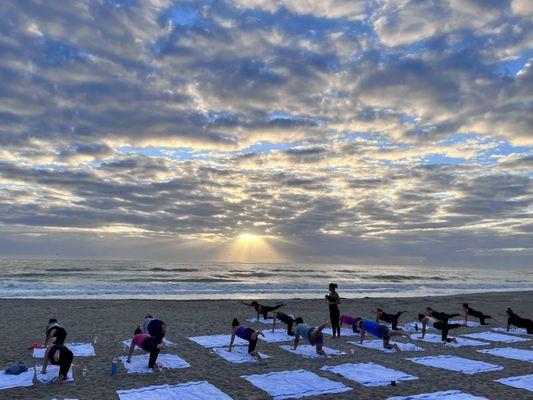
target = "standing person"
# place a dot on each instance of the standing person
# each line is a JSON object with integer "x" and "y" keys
{"x": 245, "y": 333}
{"x": 287, "y": 319}
{"x": 58, "y": 354}
{"x": 443, "y": 327}
{"x": 154, "y": 327}
{"x": 519, "y": 322}
{"x": 478, "y": 314}
{"x": 388, "y": 318}
{"x": 262, "y": 309}
{"x": 55, "y": 333}
{"x": 148, "y": 344}
{"x": 312, "y": 334}
{"x": 439, "y": 315}
{"x": 380, "y": 331}
{"x": 334, "y": 300}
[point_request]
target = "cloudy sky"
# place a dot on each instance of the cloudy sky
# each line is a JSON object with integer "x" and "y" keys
{"x": 371, "y": 131}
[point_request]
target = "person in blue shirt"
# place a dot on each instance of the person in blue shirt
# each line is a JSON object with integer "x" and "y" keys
{"x": 380, "y": 331}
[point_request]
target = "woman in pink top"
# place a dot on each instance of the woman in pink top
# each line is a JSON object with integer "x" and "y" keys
{"x": 147, "y": 343}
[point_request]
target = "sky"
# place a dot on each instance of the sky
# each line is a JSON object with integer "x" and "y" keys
{"x": 376, "y": 132}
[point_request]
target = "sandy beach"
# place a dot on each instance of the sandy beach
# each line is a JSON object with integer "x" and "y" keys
{"x": 112, "y": 321}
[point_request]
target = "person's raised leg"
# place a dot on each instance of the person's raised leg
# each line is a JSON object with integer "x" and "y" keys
{"x": 318, "y": 330}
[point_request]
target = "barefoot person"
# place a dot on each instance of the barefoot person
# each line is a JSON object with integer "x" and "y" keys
{"x": 380, "y": 331}
{"x": 287, "y": 319}
{"x": 519, "y": 322}
{"x": 58, "y": 354}
{"x": 148, "y": 344}
{"x": 154, "y": 327}
{"x": 245, "y": 333}
{"x": 439, "y": 315}
{"x": 477, "y": 314}
{"x": 443, "y": 327}
{"x": 54, "y": 333}
{"x": 313, "y": 335}
{"x": 334, "y": 300}
{"x": 388, "y": 318}
{"x": 262, "y": 309}
{"x": 351, "y": 321}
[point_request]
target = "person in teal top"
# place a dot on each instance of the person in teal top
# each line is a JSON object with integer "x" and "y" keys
{"x": 312, "y": 334}
{"x": 380, "y": 331}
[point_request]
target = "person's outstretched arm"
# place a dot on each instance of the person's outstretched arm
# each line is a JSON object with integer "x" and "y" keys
{"x": 231, "y": 341}
{"x": 132, "y": 347}
{"x": 45, "y": 361}
{"x": 362, "y": 337}
{"x": 274, "y": 322}
{"x": 296, "y": 340}
{"x": 424, "y": 323}
{"x": 50, "y": 336}
{"x": 466, "y": 318}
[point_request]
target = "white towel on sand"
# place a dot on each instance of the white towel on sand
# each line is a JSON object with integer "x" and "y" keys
{"x": 279, "y": 335}
{"x": 457, "y": 364}
{"x": 495, "y": 337}
{"x": 26, "y": 378}
{"x": 436, "y": 338}
{"x": 295, "y": 384}
{"x": 411, "y": 327}
{"x": 78, "y": 349}
{"x": 510, "y": 352}
{"x": 183, "y": 391}
{"x": 344, "y": 332}
{"x": 519, "y": 382}
{"x": 212, "y": 341}
{"x": 470, "y": 324}
{"x": 238, "y": 354}
{"x": 447, "y": 395}
{"x": 266, "y": 321}
{"x": 308, "y": 351}
{"x": 378, "y": 345}
{"x": 139, "y": 364}
{"x": 127, "y": 343}
{"x": 369, "y": 374}
{"x": 514, "y": 331}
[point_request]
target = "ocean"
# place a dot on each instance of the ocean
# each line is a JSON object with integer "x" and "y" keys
{"x": 88, "y": 279}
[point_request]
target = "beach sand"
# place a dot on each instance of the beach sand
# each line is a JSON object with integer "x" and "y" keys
{"x": 114, "y": 320}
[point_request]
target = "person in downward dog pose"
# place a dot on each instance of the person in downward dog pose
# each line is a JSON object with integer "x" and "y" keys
{"x": 287, "y": 319}
{"x": 58, "y": 354}
{"x": 154, "y": 327}
{"x": 351, "y": 321}
{"x": 312, "y": 334}
{"x": 388, "y": 318}
{"x": 334, "y": 300}
{"x": 262, "y": 309}
{"x": 245, "y": 333}
{"x": 439, "y": 315}
{"x": 443, "y": 327}
{"x": 55, "y": 333}
{"x": 519, "y": 322}
{"x": 380, "y": 331}
{"x": 148, "y": 344}
{"x": 477, "y": 314}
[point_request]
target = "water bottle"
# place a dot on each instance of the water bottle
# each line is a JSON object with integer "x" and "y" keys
{"x": 84, "y": 371}
{"x": 95, "y": 339}
{"x": 114, "y": 366}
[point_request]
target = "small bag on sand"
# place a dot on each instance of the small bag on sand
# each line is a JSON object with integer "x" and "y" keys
{"x": 16, "y": 369}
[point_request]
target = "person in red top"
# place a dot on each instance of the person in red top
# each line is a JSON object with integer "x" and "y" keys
{"x": 149, "y": 344}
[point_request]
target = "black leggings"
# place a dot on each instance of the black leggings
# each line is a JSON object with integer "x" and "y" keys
{"x": 519, "y": 322}
{"x": 288, "y": 320}
{"x": 391, "y": 319}
{"x": 155, "y": 329}
{"x": 478, "y": 314}
{"x": 334, "y": 316}
{"x": 266, "y": 309}
{"x": 150, "y": 345}
{"x": 444, "y": 328}
{"x": 65, "y": 359}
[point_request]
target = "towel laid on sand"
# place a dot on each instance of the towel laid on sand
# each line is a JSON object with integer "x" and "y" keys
{"x": 519, "y": 382}
{"x": 514, "y": 331}
{"x": 447, "y": 395}
{"x": 457, "y": 364}
{"x": 184, "y": 391}
{"x": 510, "y": 352}
{"x": 436, "y": 338}
{"x": 295, "y": 384}
{"x": 378, "y": 345}
{"x": 213, "y": 341}
{"x": 237, "y": 355}
{"x": 265, "y": 321}
{"x": 139, "y": 364}
{"x": 495, "y": 337}
{"x": 369, "y": 374}
{"x": 127, "y": 343}
{"x": 411, "y": 327}
{"x": 308, "y": 351}
{"x": 279, "y": 335}
{"x": 344, "y": 332}
{"x": 470, "y": 324}
{"x": 78, "y": 349}
{"x": 26, "y": 378}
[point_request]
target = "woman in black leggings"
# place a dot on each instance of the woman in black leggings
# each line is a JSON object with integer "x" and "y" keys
{"x": 147, "y": 343}
{"x": 262, "y": 309}
{"x": 334, "y": 314}
{"x": 55, "y": 333}
{"x": 388, "y": 318}
{"x": 58, "y": 354}
{"x": 519, "y": 322}
{"x": 443, "y": 327}
{"x": 477, "y": 314}
{"x": 287, "y": 319}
